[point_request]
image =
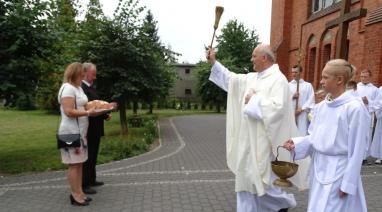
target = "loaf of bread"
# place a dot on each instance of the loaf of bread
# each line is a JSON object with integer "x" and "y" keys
{"x": 98, "y": 104}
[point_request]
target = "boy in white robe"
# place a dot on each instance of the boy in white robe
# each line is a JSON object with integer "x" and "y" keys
{"x": 259, "y": 116}
{"x": 368, "y": 92}
{"x": 305, "y": 98}
{"x": 376, "y": 145}
{"x": 336, "y": 145}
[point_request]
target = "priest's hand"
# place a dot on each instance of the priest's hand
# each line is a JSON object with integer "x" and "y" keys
{"x": 250, "y": 93}
{"x": 289, "y": 145}
{"x": 343, "y": 194}
{"x": 211, "y": 57}
{"x": 296, "y": 95}
{"x": 365, "y": 101}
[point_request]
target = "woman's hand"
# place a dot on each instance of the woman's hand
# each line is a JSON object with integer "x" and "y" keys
{"x": 289, "y": 145}
{"x": 92, "y": 112}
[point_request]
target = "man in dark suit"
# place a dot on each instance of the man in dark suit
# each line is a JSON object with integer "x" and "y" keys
{"x": 95, "y": 131}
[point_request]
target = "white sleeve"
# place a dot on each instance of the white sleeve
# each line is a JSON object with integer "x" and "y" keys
{"x": 303, "y": 147}
{"x": 68, "y": 91}
{"x": 376, "y": 105}
{"x": 253, "y": 109}
{"x": 357, "y": 135}
{"x": 309, "y": 104}
{"x": 220, "y": 75}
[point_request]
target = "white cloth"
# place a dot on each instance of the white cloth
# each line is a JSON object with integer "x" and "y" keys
{"x": 336, "y": 145}
{"x": 367, "y": 90}
{"x": 254, "y": 130}
{"x": 305, "y": 102}
{"x": 370, "y": 92}
{"x": 376, "y": 145}
{"x": 273, "y": 200}
{"x": 69, "y": 125}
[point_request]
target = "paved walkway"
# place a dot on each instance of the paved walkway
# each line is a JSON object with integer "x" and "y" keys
{"x": 187, "y": 172}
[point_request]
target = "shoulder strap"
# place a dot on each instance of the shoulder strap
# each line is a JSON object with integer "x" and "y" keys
{"x": 75, "y": 105}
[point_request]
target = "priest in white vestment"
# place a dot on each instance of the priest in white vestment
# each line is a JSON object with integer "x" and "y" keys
{"x": 260, "y": 117}
{"x": 336, "y": 145}
{"x": 368, "y": 92}
{"x": 305, "y": 98}
{"x": 376, "y": 145}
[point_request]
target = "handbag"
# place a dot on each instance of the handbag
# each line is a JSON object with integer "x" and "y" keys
{"x": 69, "y": 140}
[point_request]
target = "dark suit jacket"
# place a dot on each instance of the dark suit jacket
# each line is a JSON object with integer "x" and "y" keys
{"x": 96, "y": 127}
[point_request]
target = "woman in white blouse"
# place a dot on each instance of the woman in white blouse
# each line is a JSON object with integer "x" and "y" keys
{"x": 74, "y": 119}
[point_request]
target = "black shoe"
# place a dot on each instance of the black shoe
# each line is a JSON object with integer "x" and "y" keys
{"x": 283, "y": 210}
{"x": 74, "y": 202}
{"x": 88, "y": 199}
{"x": 97, "y": 183}
{"x": 88, "y": 190}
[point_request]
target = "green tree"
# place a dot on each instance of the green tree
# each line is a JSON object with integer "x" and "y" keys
{"x": 156, "y": 63}
{"x": 236, "y": 42}
{"x": 207, "y": 90}
{"x": 63, "y": 27}
{"x": 91, "y": 30}
{"x": 25, "y": 44}
{"x": 117, "y": 56}
{"x": 234, "y": 50}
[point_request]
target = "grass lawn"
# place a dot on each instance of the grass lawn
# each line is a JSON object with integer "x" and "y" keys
{"x": 27, "y": 140}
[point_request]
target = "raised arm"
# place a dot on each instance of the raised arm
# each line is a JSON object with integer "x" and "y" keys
{"x": 220, "y": 75}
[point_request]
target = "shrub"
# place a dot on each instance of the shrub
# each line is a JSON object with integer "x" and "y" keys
{"x": 150, "y": 128}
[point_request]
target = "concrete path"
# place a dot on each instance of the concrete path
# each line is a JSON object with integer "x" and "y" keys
{"x": 187, "y": 172}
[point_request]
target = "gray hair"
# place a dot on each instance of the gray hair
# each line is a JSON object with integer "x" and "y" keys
{"x": 87, "y": 66}
{"x": 268, "y": 54}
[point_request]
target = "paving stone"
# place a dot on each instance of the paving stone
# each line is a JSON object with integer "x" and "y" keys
{"x": 188, "y": 172}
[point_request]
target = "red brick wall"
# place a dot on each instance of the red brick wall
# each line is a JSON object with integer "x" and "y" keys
{"x": 290, "y": 24}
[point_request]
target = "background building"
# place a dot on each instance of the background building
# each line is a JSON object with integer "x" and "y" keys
{"x": 298, "y": 28}
{"x": 185, "y": 83}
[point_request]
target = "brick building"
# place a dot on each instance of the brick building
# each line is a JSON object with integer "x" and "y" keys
{"x": 300, "y": 24}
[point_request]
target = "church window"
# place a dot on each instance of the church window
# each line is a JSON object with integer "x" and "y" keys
{"x": 311, "y": 65}
{"x": 328, "y": 37}
{"x": 326, "y": 54}
{"x": 318, "y": 5}
{"x": 187, "y": 71}
{"x": 328, "y": 3}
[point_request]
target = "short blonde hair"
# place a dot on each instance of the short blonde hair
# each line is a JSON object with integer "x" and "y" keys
{"x": 342, "y": 67}
{"x": 72, "y": 72}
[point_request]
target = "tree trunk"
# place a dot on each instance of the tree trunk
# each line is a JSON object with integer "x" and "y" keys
{"x": 151, "y": 106}
{"x": 218, "y": 107}
{"x": 122, "y": 117}
{"x": 135, "y": 107}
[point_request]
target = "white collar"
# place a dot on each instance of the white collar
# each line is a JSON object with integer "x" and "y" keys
{"x": 269, "y": 69}
{"x": 301, "y": 81}
{"x": 86, "y": 83}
